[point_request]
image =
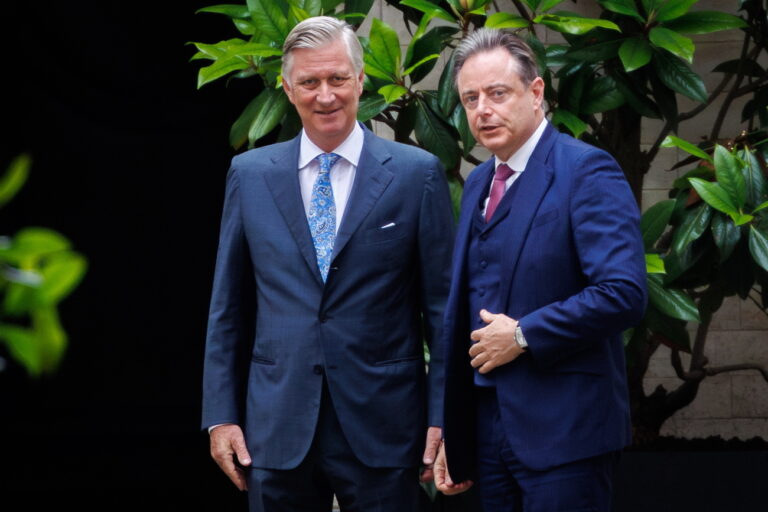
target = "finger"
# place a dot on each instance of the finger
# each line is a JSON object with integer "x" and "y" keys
{"x": 477, "y": 334}
{"x": 434, "y": 436}
{"x": 476, "y": 349}
{"x": 487, "y": 316}
{"x": 238, "y": 444}
{"x": 486, "y": 367}
{"x": 237, "y": 476}
{"x": 427, "y": 475}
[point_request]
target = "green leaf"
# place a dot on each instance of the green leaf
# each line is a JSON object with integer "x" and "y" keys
{"x": 675, "y": 142}
{"x": 714, "y": 195}
{"x": 429, "y": 9}
{"x": 763, "y": 206}
{"x": 61, "y": 274}
{"x": 636, "y": 98}
{"x": 626, "y": 7}
{"x": 548, "y": 4}
{"x": 233, "y": 11}
{"x": 22, "y": 345}
{"x": 729, "y": 176}
{"x": 654, "y": 264}
{"x": 459, "y": 121}
{"x": 245, "y": 27}
{"x": 634, "y": 53}
{"x": 311, "y": 7}
{"x": 429, "y": 43}
{"x": 672, "y": 9}
{"x": 671, "y": 330}
{"x": 758, "y": 246}
{"x": 704, "y": 22}
{"x": 370, "y": 106}
{"x": 392, "y": 92}
{"x": 384, "y": 49}
{"x": 220, "y": 68}
{"x": 654, "y": 222}
{"x": 726, "y": 235}
{"x": 272, "y": 106}
{"x": 756, "y": 186}
{"x": 447, "y": 96}
{"x": 602, "y": 96}
{"x": 694, "y": 224}
{"x": 50, "y": 336}
{"x": 14, "y": 178}
{"x": 562, "y": 117}
{"x": 456, "y": 191}
{"x": 238, "y": 133}
{"x": 426, "y": 59}
{"x": 671, "y": 302}
{"x": 672, "y": 42}
{"x": 31, "y": 244}
{"x": 573, "y": 24}
{"x": 678, "y": 76}
{"x": 269, "y": 19}
{"x": 501, "y": 20}
{"x": 747, "y": 67}
{"x": 594, "y": 52}
{"x": 435, "y": 137}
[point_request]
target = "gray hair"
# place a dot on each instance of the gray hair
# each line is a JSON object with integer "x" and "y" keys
{"x": 486, "y": 40}
{"x": 319, "y": 31}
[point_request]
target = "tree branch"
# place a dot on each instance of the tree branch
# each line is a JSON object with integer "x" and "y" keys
{"x": 736, "y": 367}
{"x": 677, "y": 364}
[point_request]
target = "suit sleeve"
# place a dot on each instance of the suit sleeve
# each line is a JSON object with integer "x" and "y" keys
{"x": 231, "y": 309}
{"x": 605, "y": 229}
{"x": 435, "y": 241}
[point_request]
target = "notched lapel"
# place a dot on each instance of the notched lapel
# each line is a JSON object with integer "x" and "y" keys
{"x": 283, "y": 183}
{"x": 371, "y": 180}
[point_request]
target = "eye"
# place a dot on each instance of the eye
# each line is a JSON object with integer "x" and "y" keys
{"x": 309, "y": 83}
{"x": 498, "y": 94}
{"x": 338, "y": 80}
{"x": 469, "y": 100}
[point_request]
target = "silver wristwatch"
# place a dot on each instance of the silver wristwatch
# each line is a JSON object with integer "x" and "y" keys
{"x": 519, "y": 338}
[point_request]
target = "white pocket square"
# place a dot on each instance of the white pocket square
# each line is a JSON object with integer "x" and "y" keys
{"x": 387, "y": 226}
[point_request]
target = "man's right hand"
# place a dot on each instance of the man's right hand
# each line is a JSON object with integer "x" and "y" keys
{"x": 227, "y": 442}
{"x": 443, "y": 480}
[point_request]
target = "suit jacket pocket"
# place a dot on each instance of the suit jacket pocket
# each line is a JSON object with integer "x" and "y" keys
{"x": 399, "y": 360}
{"x": 545, "y": 217}
{"x": 384, "y": 233}
{"x": 258, "y": 359}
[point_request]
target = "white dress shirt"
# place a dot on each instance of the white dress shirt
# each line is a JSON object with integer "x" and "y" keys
{"x": 518, "y": 161}
{"x": 342, "y": 174}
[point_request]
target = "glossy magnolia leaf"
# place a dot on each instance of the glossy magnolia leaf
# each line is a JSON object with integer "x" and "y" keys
{"x": 747, "y": 67}
{"x": 758, "y": 246}
{"x": 447, "y": 96}
{"x": 220, "y": 68}
{"x": 704, "y": 22}
{"x": 546, "y": 5}
{"x": 672, "y": 42}
{"x": 456, "y": 191}
{"x": 370, "y": 106}
{"x": 671, "y": 302}
{"x": 233, "y": 11}
{"x": 714, "y": 195}
{"x": 634, "y": 53}
{"x": 385, "y": 48}
{"x": 357, "y": 9}
{"x": 460, "y": 122}
{"x": 654, "y": 222}
{"x": 573, "y": 24}
{"x": 755, "y": 182}
{"x": 31, "y": 244}
{"x": 561, "y": 117}
{"x": 730, "y": 177}
{"x": 726, "y": 235}
{"x": 594, "y": 52}
{"x": 626, "y": 7}
{"x": 429, "y": 43}
{"x": 429, "y": 9}
{"x": 269, "y": 19}
{"x": 654, "y": 264}
{"x": 61, "y": 274}
{"x": 423, "y": 61}
{"x": 635, "y": 97}
{"x": 392, "y": 92}
{"x": 602, "y": 96}
{"x": 694, "y": 224}
{"x": 238, "y": 133}
{"x": 762, "y": 206}
{"x": 434, "y": 136}
{"x": 672, "y": 9}
{"x": 678, "y": 76}
{"x": 311, "y": 7}
{"x": 675, "y": 142}
{"x": 506, "y": 20}
{"x": 50, "y": 336}
{"x": 245, "y": 27}
{"x": 14, "y": 177}
{"x": 273, "y": 104}
{"x": 22, "y": 345}
{"x": 671, "y": 331}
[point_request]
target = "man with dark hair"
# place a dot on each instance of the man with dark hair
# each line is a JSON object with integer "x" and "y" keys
{"x": 548, "y": 271}
{"x": 332, "y": 269}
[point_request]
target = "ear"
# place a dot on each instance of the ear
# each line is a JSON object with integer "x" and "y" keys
{"x": 537, "y": 88}
{"x": 288, "y": 90}
{"x": 360, "y": 80}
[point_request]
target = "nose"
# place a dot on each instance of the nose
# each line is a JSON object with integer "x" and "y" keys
{"x": 325, "y": 94}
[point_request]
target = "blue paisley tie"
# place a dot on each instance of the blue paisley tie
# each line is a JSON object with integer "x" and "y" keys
{"x": 322, "y": 213}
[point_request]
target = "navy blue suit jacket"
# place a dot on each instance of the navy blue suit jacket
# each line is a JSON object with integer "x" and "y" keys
{"x": 275, "y": 328}
{"x": 574, "y": 277}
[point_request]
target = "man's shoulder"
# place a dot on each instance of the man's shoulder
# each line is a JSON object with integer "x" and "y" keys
{"x": 573, "y": 148}
{"x": 261, "y": 157}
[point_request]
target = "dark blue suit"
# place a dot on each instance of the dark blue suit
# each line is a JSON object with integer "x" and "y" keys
{"x": 276, "y": 331}
{"x": 573, "y": 275}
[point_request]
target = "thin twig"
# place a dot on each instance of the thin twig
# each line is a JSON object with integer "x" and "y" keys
{"x": 736, "y": 367}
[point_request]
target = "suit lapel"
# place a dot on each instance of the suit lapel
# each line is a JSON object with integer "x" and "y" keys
{"x": 371, "y": 180}
{"x": 534, "y": 183}
{"x": 283, "y": 182}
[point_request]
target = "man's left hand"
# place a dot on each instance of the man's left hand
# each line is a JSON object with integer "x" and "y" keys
{"x": 434, "y": 435}
{"x": 496, "y": 343}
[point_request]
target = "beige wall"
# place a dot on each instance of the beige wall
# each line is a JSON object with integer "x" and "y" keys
{"x": 732, "y": 404}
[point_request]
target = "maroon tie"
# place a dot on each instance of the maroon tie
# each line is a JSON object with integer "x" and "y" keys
{"x": 503, "y": 172}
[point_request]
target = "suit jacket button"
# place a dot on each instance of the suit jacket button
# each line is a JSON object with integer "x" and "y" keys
{"x": 317, "y": 369}
{"x": 323, "y": 319}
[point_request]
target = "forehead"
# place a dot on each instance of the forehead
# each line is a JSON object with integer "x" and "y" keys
{"x": 487, "y": 69}
{"x": 325, "y": 60}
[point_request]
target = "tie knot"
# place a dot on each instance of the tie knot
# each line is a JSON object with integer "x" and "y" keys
{"x": 327, "y": 160}
{"x": 503, "y": 172}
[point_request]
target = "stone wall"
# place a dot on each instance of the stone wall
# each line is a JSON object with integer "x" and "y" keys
{"x": 730, "y": 404}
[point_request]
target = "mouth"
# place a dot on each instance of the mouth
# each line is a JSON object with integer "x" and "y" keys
{"x": 488, "y": 128}
{"x": 326, "y": 113}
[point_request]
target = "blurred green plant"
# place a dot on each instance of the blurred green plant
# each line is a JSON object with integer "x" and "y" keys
{"x": 603, "y": 77}
{"x": 38, "y": 268}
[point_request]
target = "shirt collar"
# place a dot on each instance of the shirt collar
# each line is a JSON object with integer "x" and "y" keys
{"x": 349, "y": 150}
{"x": 519, "y": 158}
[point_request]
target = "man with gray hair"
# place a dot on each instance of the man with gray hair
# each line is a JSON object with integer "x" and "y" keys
{"x": 548, "y": 271}
{"x": 332, "y": 270}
